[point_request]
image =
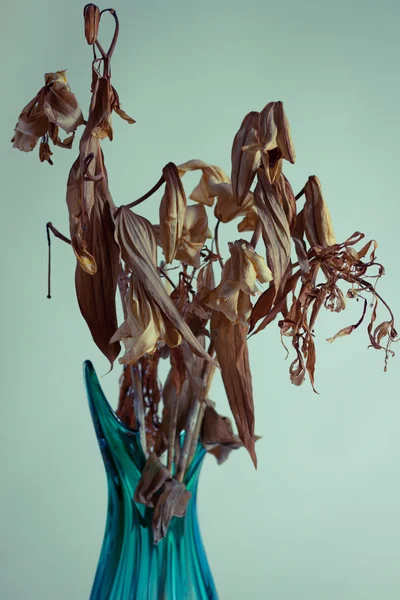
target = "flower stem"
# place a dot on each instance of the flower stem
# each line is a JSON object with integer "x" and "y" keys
{"x": 217, "y": 244}
{"x": 143, "y": 198}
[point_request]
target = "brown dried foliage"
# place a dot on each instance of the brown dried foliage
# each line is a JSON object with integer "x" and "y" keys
{"x": 176, "y": 312}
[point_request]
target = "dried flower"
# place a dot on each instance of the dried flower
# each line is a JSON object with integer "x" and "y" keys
{"x": 194, "y": 234}
{"x": 144, "y": 326}
{"x": 239, "y": 282}
{"x": 53, "y": 105}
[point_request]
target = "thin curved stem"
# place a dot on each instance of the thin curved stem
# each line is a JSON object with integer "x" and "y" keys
{"x": 145, "y": 196}
{"x": 217, "y": 244}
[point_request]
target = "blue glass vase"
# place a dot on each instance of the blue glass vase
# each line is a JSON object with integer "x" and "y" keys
{"x": 131, "y": 567}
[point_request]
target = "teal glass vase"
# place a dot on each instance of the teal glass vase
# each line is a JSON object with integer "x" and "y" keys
{"x": 131, "y": 567}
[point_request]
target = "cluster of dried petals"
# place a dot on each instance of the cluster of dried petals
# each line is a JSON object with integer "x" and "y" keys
{"x": 215, "y": 183}
{"x": 53, "y": 106}
{"x": 263, "y": 138}
{"x": 157, "y": 489}
{"x": 238, "y": 282}
{"x": 144, "y": 326}
{"x": 195, "y": 232}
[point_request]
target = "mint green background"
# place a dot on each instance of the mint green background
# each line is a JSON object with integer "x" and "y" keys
{"x": 319, "y": 519}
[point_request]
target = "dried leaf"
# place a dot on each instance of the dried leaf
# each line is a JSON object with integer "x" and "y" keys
{"x": 153, "y": 477}
{"x": 172, "y": 502}
{"x": 96, "y": 293}
{"x": 232, "y": 353}
{"x": 275, "y": 227}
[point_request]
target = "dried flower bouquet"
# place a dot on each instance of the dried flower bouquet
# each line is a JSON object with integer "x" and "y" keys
{"x": 196, "y": 308}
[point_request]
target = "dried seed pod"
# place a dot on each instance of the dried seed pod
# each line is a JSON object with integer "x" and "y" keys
{"x": 172, "y": 212}
{"x": 317, "y": 219}
{"x": 91, "y": 14}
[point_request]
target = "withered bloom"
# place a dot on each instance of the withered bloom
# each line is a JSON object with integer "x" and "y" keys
{"x": 144, "y": 326}
{"x": 53, "y": 106}
{"x": 215, "y": 183}
{"x": 195, "y": 232}
{"x": 136, "y": 239}
{"x": 273, "y": 143}
{"x": 239, "y": 282}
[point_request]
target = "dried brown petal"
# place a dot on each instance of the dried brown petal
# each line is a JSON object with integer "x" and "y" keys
{"x": 194, "y": 234}
{"x": 245, "y": 162}
{"x": 283, "y": 137}
{"x": 172, "y": 212}
{"x": 275, "y": 227}
{"x": 217, "y": 434}
{"x": 238, "y": 282}
{"x": 153, "y": 477}
{"x": 207, "y": 189}
{"x": 60, "y": 105}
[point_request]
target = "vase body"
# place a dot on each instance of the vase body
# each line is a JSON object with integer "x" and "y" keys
{"x": 131, "y": 567}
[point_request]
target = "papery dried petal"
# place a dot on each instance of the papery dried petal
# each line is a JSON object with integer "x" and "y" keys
{"x": 60, "y": 105}
{"x": 194, "y": 234}
{"x": 283, "y": 137}
{"x": 250, "y": 221}
{"x": 275, "y": 227}
{"x": 153, "y": 477}
{"x": 245, "y": 163}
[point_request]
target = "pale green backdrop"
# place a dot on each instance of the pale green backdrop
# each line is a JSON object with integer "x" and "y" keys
{"x": 319, "y": 520}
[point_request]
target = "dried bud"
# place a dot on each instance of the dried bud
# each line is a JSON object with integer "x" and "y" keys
{"x": 91, "y": 14}
{"x": 317, "y": 220}
{"x": 172, "y": 212}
